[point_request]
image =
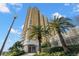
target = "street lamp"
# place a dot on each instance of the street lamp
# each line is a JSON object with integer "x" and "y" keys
{"x": 7, "y": 35}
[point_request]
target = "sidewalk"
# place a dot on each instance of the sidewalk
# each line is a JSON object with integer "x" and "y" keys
{"x": 28, "y": 54}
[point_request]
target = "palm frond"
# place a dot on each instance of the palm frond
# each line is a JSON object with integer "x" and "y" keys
{"x": 61, "y": 24}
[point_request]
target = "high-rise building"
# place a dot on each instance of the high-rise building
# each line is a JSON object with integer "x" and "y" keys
{"x": 34, "y": 17}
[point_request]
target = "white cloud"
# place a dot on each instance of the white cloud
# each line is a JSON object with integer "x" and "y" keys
{"x": 66, "y": 4}
{"x": 18, "y": 6}
{"x": 22, "y": 26}
{"x": 57, "y": 15}
{"x": 4, "y": 8}
{"x": 76, "y": 8}
{"x": 15, "y": 31}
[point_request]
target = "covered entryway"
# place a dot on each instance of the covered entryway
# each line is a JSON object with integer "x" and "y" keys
{"x": 31, "y": 48}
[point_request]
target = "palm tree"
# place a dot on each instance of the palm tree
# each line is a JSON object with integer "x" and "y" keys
{"x": 38, "y": 32}
{"x": 59, "y": 26}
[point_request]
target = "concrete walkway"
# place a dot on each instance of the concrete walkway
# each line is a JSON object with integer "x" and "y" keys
{"x": 28, "y": 54}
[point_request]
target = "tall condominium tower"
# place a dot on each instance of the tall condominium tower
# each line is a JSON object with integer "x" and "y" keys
{"x": 34, "y": 17}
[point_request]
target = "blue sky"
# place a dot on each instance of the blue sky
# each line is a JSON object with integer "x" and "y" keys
{"x": 7, "y": 11}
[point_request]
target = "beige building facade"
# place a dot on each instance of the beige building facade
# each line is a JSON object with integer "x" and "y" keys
{"x": 34, "y": 17}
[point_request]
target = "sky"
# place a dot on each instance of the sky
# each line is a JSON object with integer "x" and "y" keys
{"x": 8, "y": 11}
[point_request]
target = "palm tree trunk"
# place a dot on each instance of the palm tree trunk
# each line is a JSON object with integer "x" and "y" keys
{"x": 39, "y": 39}
{"x": 66, "y": 49}
{"x": 39, "y": 45}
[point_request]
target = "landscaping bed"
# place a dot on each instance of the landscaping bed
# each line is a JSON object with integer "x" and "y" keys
{"x": 58, "y": 51}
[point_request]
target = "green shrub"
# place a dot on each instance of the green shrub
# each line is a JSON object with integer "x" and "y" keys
{"x": 14, "y": 53}
{"x": 55, "y": 49}
{"x": 58, "y": 51}
{"x": 51, "y": 54}
{"x": 57, "y": 54}
{"x": 15, "y": 50}
{"x": 47, "y": 44}
{"x": 45, "y": 49}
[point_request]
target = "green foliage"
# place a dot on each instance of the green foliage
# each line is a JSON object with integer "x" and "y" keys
{"x": 55, "y": 49}
{"x": 17, "y": 46}
{"x": 52, "y": 54}
{"x": 46, "y": 45}
{"x": 74, "y": 49}
{"x": 38, "y": 32}
{"x": 34, "y": 31}
{"x": 15, "y": 50}
{"x": 13, "y": 53}
{"x": 46, "y": 49}
{"x": 58, "y": 51}
{"x": 57, "y": 54}
{"x": 61, "y": 24}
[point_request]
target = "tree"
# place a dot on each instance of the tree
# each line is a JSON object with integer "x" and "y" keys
{"x": 16, "y": 49}
{"x": 59, "y": 26}
{"x": 38, "y": 32}
{"x": 16, "y": 46}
